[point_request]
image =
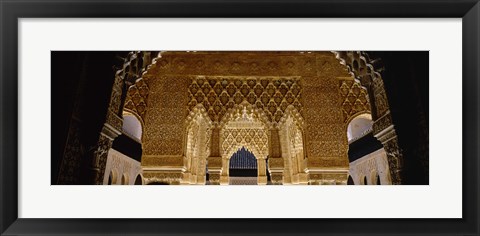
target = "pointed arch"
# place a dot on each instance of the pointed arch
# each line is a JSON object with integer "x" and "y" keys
{"x": 292, "y": 112}
{"x": 250, "y": 110}
{"x": 244, "y": 126}
{"x": 358, "y": 126}
{"x": 132, "y": 124}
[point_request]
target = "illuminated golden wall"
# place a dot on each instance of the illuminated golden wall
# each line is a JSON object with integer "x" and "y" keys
{"x": 289, "y": 107}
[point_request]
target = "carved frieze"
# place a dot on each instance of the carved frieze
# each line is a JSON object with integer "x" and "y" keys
{"x": 162, "y": 161}
{"x": 237, "y": 63}
{"x": 172, "y": 178}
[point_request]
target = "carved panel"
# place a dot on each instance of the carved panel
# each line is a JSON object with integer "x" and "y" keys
{"x": 137, "y": 98}
{"x": 370, "y": 166}
{"x": 215, "y": 143}
{"x": 324, "y": 132}
{"x": 122, "y": 165}
{"x": 395, "y": 159}
{"x": 382, "y": 123}
{"x": 271, "y": 94}
{"x": 253, "y": 139}
{"x": 162, "y": 177}
{"x": 381, "y": 102}
{"x": 116, "y": 95}
{"x": 165, "y": 126}
{"x": 354, "y": 99}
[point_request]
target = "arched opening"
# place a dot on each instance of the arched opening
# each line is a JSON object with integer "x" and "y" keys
{"x": 365, "y": 180}
{"x": 355, "y": 64}
{"x": 244, "y": 127}
{"x": 378, "y": 180}
{"x": 350, "y": 181}
{"x": 359, "y": 127}
{"x": 138, "y": 180}
{"x": 132, "y": 126}
{"x": 112, "y": 178}
{"x": 243, "y": 168}
{"x": 129, "y": 142}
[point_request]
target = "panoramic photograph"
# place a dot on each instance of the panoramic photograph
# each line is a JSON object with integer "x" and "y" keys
{"x": 240, "y": 117}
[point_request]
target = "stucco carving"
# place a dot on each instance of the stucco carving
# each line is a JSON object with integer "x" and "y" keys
{"x": 243, "y": 127}
{"x": 259, "y": 88}
{"x": 270, "y": 94}
{"x": 354, "y": 99}
{"x": 370, "y": 166}
{"x": 137, "y": 98}
{"x": 121, "y": 165}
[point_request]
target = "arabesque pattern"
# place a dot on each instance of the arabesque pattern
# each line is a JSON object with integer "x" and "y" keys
{"x": 218, "y": 94}
{"x": 354, "y": 99}
{"x": 251, "y": 138}
{"x": 137, "y": 96}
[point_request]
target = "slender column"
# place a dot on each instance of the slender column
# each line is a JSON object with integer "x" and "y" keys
{"x": 194, "y": 171}
{"x": 262, "y": 171}
{"x": 215, "y": 160}
{"x": 302, "y": 176}
{"x": 275, "y": 160}
{"x": 201, "y": 171}
{"x": 224, "y": 178}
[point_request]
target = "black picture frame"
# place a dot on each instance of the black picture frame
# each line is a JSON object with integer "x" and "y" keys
{"x": 12, "y": 10}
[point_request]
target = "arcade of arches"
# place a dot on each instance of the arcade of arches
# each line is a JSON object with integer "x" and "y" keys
{"x": 220, "y": 118}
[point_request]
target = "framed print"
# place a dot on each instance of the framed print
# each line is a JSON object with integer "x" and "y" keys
{"x": 253, "y": 116}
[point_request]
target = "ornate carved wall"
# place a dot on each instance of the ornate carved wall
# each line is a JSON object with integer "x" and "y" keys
{"x": 371, "y": 166}
{"x": 121, "y": 169}
{"x": 137, "y": 97}
{"x": 197, "y": 108}
{"x": 314, "y": 85}
{"x": 219, "y": 94}
{"x": 325, "y": 140}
